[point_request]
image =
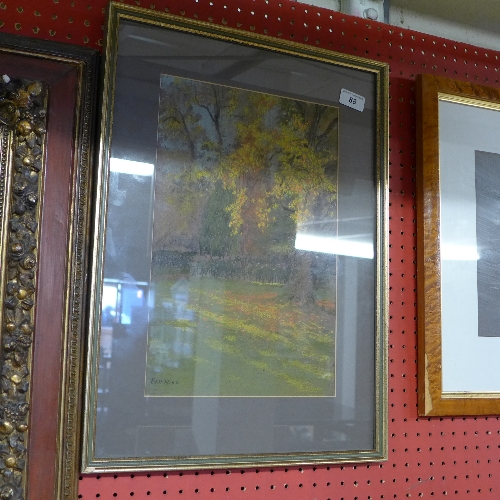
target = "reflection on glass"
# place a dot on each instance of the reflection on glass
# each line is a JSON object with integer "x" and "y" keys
{"x": 459, "y": 252}
{"x": 122, "y": 166}
{"x": 334, "y": 245}
{"x": 124, "y": 317}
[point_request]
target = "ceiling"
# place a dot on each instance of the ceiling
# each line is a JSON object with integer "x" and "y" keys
{"x": 471, "y": 21}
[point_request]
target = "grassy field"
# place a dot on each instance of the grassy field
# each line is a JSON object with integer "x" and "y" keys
{"x": 219, "y": 337}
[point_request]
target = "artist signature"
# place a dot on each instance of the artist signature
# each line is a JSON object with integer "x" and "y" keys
{"x": 163, "y": 381}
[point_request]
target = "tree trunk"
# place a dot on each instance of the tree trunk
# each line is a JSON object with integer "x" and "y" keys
{"x": 300, "y": 286}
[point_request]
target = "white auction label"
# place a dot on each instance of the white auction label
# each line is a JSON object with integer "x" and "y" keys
{"x": 354, "y": 101}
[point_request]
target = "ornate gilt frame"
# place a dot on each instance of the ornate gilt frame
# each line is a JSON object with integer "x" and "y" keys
{"x": 47, "y": 101}
{"x": 23, "y": 134}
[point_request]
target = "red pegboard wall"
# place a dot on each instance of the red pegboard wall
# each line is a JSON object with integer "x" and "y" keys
{"x": 429, "y": 458}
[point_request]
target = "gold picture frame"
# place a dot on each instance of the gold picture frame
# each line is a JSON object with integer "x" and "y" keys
{"x": 166, "y": 146}
{"x": 456, "y": 122}
{"x": 47, "y": 106}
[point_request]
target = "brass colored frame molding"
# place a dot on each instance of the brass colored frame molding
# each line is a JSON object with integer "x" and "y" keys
{"x": 23, "y": 134}
{"x": 124, "y": 20}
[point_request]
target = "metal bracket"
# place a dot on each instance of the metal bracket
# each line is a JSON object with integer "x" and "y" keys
{"x": 367, "y": 9}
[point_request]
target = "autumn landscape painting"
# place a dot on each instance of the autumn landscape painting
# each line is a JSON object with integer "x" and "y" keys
{"x": 239, "y": 309}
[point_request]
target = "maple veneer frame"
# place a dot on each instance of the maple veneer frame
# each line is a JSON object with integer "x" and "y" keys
{"x": 432, "y": 400}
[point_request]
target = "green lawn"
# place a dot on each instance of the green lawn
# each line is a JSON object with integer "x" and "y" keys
{"x": 234, "y": 338}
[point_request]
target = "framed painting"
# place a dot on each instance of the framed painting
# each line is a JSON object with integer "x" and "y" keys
{"x": 237, "y": 312}
{"x": 47, "y": 105}
{"x": 458, "y": 256}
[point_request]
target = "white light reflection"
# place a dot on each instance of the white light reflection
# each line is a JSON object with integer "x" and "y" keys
{"x": 459, "y": 252}
{"x": 122, "y": 166}
{"x": 333, "y": 245}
